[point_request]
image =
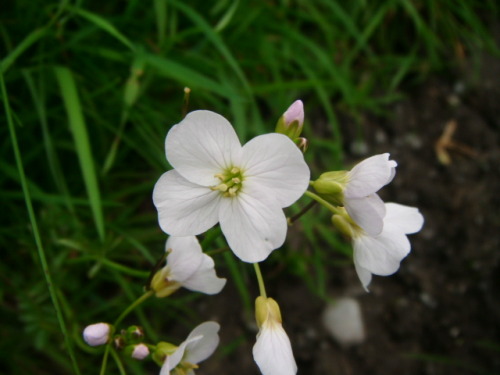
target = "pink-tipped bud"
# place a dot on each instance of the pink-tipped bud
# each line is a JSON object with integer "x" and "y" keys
{"x": 295, "y": 113}
{"x": 96, "y": 334}
{"x": 140, "y": 352}
{"x": 292, "y": 121}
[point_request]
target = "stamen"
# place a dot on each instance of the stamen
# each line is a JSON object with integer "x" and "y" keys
{"x": 220, "y": 176}
{"x": 231, "y": 181}
{"x": 220, "y": 187}
{"x": 232, "y": 191}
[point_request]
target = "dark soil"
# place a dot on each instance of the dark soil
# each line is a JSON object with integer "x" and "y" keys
{"x": 440, "y": 313}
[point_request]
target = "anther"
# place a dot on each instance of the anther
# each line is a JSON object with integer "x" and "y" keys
{"x": 220, "y": 176}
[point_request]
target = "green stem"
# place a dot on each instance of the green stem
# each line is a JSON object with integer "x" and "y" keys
{"x": 323, "y": 202}
{"x": 124, "y": 269}
{"x": 132, "y": 306}
{"x": 118, "y": 320}
{"x": 260, "y": 280}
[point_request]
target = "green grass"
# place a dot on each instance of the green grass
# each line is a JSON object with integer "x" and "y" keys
{"x": 91, "y": 89}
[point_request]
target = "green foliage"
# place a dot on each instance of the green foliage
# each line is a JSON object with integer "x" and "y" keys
{"x": 92, "y": 89}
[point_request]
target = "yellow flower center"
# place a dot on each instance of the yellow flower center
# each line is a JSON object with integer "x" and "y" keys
{"x": 230, "y": 182}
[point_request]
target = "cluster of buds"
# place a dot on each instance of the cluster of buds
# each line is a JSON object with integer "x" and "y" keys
{"x": 129, "y": 340}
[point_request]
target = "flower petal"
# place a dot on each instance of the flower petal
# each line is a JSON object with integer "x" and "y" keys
{"x": 199, "y": 350}
{"x": 176, "y": 357}
{"x": 184, "y": 208}
{"x": 166, "y": 367}
{"x": 274, "y": 163}
{"x": 369, "y": 176}
{"x": 202, "y": 145}
{"x": 368, "y": 212}
{"x": 364, "y": 275}
{"x": 205, "y": 279}
{"x": 381, "y": 255}
{"x": 273, "y": 352}
{"x": 185, "y": 257}
{"x": 253, "y": 226}
{"x": 406, "y": 219}
{"x": 192, "y": 268}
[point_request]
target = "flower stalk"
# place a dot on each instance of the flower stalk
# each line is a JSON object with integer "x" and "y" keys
{"x": 260, "y": 280}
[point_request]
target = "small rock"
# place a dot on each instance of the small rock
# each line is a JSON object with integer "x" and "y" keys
{"x": 343, "y": 321}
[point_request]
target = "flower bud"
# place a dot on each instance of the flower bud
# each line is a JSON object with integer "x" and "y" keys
{"x": 97, "y": 334}
{"x": 330, "y": 186}
{"x": 267, "y": 309}
{"x": 302, "y": 143}
{"x": 133, "y": 334}
{"x": 139, "y": 351}
{"x": 292, "y": 121}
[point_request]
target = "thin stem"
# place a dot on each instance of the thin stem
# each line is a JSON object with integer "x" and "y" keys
{"x": 118, "y": 361}
{"x": 217, "y": 251}
{"x": 260, "y": 280}
{"x": 132, "y": 306}
{"x": 323, "y": 202}
{"x": 295, "y": 217}
{"x": 118, "y": 320}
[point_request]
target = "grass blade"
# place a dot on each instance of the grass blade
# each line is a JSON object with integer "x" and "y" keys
{"x": 34, "y": 225}
{"x": 21, "y": 47}
{"x": 104, "y": 25}
{"x": 82, "y": 144}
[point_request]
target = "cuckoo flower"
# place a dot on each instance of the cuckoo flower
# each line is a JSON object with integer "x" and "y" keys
{"x": 272, "y": 352}
{"x": 187, "y": 266}
{"x": 381, "y": 254}
{"x": 199, "y": 345}
{"x": 215, "y": 179}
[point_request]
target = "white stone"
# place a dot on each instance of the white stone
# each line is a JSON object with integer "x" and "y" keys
{"x": 344, "y": 322}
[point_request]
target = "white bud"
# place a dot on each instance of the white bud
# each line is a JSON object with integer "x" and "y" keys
{"x": 96, "y": 334}
{"x": 140, "y": 352}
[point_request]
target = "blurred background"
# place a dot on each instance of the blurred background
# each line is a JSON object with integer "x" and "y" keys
{"x": 91, "y": 89}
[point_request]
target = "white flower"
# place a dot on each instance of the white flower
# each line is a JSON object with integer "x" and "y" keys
{"x": 199, "y": 345}
{"x": 96, "y": 334}
{"x": 272, "y": 352}
{"x": 382, "y": 254}
{"x": 215, "y": 179}
{"x": 362, "y": 203}
{"x": 187, "y": 266}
